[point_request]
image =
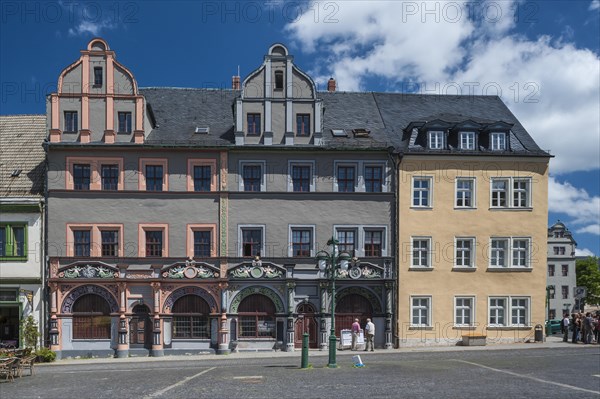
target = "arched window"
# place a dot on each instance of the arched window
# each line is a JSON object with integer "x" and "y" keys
{"x": 91, "y": 318}
{"x": 190, "y": 318}
{"x": 256, "y": 317}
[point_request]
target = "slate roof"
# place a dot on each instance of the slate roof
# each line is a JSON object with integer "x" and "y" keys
{"x": 21, "y": 138}
{"x": 179, "y": 111}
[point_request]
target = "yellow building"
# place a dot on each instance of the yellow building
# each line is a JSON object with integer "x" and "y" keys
{"x": 472, "y": 214}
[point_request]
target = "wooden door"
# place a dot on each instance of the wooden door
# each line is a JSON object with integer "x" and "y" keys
{"x": 140, "y": 327}
{"x": 305, "y": 322}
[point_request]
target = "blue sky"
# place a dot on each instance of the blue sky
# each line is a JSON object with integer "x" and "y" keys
{"x": 542, "y": 57}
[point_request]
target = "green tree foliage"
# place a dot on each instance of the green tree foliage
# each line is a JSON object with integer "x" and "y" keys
{"x": 588, "y": 276}
{"x": 30, "y": 330}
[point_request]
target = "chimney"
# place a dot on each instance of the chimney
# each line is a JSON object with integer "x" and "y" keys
{"x": 235, "y": 82}
{"x": 331, "y": 85}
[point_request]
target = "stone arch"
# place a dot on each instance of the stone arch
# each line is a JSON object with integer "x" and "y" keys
{"x": 98, "y": 44}
{"x": 278, "y": 49}
{"x": 76, "y": 293}
{"x": 268, "y": 292}
{"x": 201, "y": 292}
{"x": 364, "y": 292}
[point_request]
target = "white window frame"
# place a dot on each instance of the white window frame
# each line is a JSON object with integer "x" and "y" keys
{"x": 526, "y": 251}
{"x": 311, "y": 164}
{"x": 509, "y": 256}
{"x": 357, "y": 171}
{"x": 470, "y": 140}
{"x": 471, "y": 309}
{"x": 506, "y": 249}
{"x": 310, "y": 227}
{"x": 436, "y": 140}
{"x": 526, "y": 310}
{"x": 428, "y": 191}
{"x": 459, "y": 191}
{"x": 458, "y": 260}
{"x": 420, "y": 307}
{"x": 263, "y": 169}
{"x": 242, "y": 227}
{"x": 498, "y": 141}
{"x": 428, "y": 254}
{"x": 511, "y": 192}
{"x": 495, "y": 309}
{"x": 384, "y": 173}
{"x": 359, "y": 236}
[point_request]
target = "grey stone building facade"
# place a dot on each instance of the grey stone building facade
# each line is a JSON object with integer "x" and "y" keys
{"x": 562, "y": 275}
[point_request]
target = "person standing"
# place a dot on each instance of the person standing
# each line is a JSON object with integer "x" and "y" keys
{"x": 355, "y": 332}
{"x": 370, "y": 330}
{"x": 565, "y": 327}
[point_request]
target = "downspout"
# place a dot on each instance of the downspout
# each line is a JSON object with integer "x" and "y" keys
{"x": 395, "y": 160}
{"x": 44, "y": 261}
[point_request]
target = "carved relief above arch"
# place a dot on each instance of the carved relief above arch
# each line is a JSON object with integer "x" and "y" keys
{"x": 368, "y": 294}
{"x": 269, "y": 293}
{"x": 76, "y": 293}
{"x": 202, "y": 293}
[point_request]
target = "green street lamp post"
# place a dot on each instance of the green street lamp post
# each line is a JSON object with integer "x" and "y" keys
{"x": 549, "y": 294}
{"x": 328, "y": 262}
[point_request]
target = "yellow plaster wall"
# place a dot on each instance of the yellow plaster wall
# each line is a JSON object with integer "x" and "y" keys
{"x": 443, "y": 223}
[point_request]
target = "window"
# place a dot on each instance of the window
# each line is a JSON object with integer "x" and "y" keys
{"x": 420, "y": 311}
{"x": 420, "y": 252}
{"x": 346, "y": 178}
{"x": 252, "y": 241}
{"x": 303, "y": 125}
{"x": 519, "y": 189}
{"x": 110, "y": 242}
{"x": 301, "y": 242}
{"x": 301, "y": 178}
{"x": 465, "y": 193}
{"x": 82, "y": 242}
{"x": 467, "y": 140}
{"x": 110, "y": 177}
{"x": 520, "y": 252}
{"x": 550, "y": 270}
{"x": 202, "y": 243}
{"x": 421, "y": 192}
{"x": 71, "y": 124}
{"x": 190, "y": 318}
{"x": 252, "y": 177}
{"x": 565, "y": 270}
{"x": 499, "y": 248}
{"x": 91, "y": 318}
{"x": 565, "y": 291}
{"x": 559, "y": 250}
{"x": 552, "y": 313}
{"x": 519, "y": 312}
{"x": 154, "y": 243}
{"x": 498, "y": 141}
{"x": 436, "y": 140}
{"x": 278, "y": 80}
{"x": 465, "y": 250}
{"x": 373, "y": 179}
{"x": 497, "y": 312}
{"x": 254, "y": 127}
{"x": 124, "y": 122}
{"x": 551, "y": 293}
{"x": 347, "y": 241}
{"x": 97, "y": 76}
{"x": 559, "y": 234}
{"x": 256, "y": 315}
{"x": 464, "y": 313}
{"x": 13, "y": 241}
{"x": 81, "y": 177}
{"x": 373, "y": 242}
{"x": 202, "y": 177}
{"x": 154, "y": 178}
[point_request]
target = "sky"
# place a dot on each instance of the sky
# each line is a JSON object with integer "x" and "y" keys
{"x": 540, "y": 57}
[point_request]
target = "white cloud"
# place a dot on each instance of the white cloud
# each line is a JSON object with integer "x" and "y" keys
{"x": 583, "y": 252}
{"x": 552, "y": 86}
{"x": 93, "y": 28}
{"x": 577, "y": 203}
{"x": 594, "y": 5}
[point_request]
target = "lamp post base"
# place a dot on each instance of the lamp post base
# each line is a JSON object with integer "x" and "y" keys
{"x": 332, "y": 351}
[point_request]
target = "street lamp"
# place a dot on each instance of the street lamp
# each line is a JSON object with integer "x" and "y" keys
{"x": 549, "y": 294}
{"x": 329, "y": 263}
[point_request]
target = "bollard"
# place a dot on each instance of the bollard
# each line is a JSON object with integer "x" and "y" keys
{"x": 304, "y": 364}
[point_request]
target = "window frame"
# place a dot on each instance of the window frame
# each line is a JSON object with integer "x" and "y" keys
{"x": 98, "y": 78}
{"x": 96, "y": 230}
{"x": 102, "y": 177}
{"x": 89, "y": 243}
{"x": 471, "y": 308}
{"x": 336, "y": 180}
{"x": 428, "y": 191}
{"x": 505, "y": 310}
{"x": 564, "y": 269}
{"x": 428, "y": 254}
{"x": 124, "y": 126}
{"x": 510, "y": 193}
{"x": 497, "y": 138}
{"x": 191, "y": 165}
{"x": 299, "y": 163}
{"x": 510, "y": 255}
{"x": 460, "y": 190}
{"x": 143, "y": 162}
{"x": 440, "y": 140}
{"x": 382, "y": 185}
{"x": 508, "y": 311}
{"x": 427, "y": 308}
{"x": 382, "y": 249}
{"x": 303, "y": 125}
{"x": 527, "y": 311}
{"x": 96, "y": 164}
{"x": 191, "y": 228}
{"x": 262, "y": 164}
{"x": 254, "y": 132}
{"x": 117, "y": 250}
{"x": 301, "y": 227}
{"x": 472, "y": 253}
{"x": 551, "y": 270}
{"x": 84, "y": 186}
{"x": 241, "y": 229}
{"x": 70, "y": 121}
{"x": 10, "y": 247}
{"x": 142, "y": 228}
{"x": 471, "y": 138}
{"x": 342, "y": 244}
{"x": 279, "y": 81}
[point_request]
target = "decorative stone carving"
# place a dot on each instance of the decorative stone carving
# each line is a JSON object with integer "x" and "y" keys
{"x": 88, "y": 271}
{"x": 138, "y": 276}
{"x": 178, "y": 293}
{"x": 71, "y": 298}
{"x": 191, "y": 270}
{"x": 357, "y": 272}
{"x": 256, "y": 290}
{"x": 257, "y": 271}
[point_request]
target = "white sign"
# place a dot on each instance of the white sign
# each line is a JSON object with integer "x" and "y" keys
{"x": 579, "y": 292}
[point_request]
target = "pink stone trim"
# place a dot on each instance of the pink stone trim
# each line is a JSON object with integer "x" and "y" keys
{"x": 153, "y": 161}
{"x": 143, "y": 227}
{"x": 200, "y": 162}
{"x": 189, "y": 249}
{"x": 95, "y": 170}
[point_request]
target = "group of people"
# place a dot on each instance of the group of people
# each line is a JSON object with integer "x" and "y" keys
{"x": 584, "y": 327}
{"x": 369, "y": 334}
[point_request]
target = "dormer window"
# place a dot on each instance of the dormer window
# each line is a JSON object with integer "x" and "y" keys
{"x": 436, "y": 140}
{"x": 467, "y": 140}
{"x": 278, "y": 80}
{"x": 97, "y": 76}
{"x": 498, "y": 141}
